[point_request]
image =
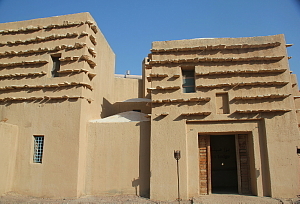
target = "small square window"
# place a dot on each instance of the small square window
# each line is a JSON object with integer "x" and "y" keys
{"x": 38, "y": 149}
{"x": 222, "y": 103}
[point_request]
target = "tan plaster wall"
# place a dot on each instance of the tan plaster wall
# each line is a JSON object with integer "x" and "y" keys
{"x": 8, "y": 146}
{"x": 163, "y": 181}
{"x": 120, "y": 107}
{"x": 126, "y": 88}
{"x": 118, "y": 158}
{"x": 101, "y": 95}
{"x": 168, "y": 131}
{"x": 282, "y": 144}
{"x": 211, "y": 41}
{"x": 57, "y": 175}
{"x": 61, "y": 121}
{"x": 146, "y": 80}
{"x": 296, "y": 95}
{"x": 73, "y": 165}
{"x": 257, "y": 145}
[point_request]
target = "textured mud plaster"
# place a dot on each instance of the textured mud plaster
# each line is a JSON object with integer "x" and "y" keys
{"x": 113, "y": 134}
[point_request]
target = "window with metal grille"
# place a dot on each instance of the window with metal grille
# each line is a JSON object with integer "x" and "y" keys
{"x": 188, "y": 77}
{"x": 38, "y": 149}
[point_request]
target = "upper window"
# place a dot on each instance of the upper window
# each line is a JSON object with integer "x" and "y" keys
{"x": 38, "y": 149}
{"x": 188, "y": 77}
{"x": 56, "y": 65}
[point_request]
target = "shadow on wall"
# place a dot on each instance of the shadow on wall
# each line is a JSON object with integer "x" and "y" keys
{"x": 140, "y": 94}
{"x": 268, "y": 115}
{"x": 143, "y": 182}
{"x": 107, "y": 108}
{"x": 264, "y": 159}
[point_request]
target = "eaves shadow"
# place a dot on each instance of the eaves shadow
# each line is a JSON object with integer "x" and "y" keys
{"x": 256, "y": 101}
{"x": 268, "y": 115}
{"x": 191, "y": 117}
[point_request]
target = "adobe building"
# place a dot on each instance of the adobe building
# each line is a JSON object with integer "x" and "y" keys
{"x": 70, "y": 127}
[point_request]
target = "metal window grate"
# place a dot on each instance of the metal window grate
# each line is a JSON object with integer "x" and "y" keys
{"x": 38, "y": 149}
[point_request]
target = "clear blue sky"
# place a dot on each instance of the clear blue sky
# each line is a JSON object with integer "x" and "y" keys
{"x": 131, "y": 25}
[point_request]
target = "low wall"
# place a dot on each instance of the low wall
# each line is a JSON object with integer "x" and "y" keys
{"x": 118, "y": 158}
{"x": 8, "y": 146}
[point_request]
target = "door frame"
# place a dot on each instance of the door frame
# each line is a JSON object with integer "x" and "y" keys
{"x": 242, "y": 158}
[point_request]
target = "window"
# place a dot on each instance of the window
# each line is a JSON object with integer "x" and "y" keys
{"x": 188, "y": 77}
{"x": 38, "y": 149}
{"x": 56, "y": 65}
{"x": 222, "y": 103}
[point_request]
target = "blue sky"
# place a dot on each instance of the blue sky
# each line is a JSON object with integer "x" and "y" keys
{"x": 130, "y": 26}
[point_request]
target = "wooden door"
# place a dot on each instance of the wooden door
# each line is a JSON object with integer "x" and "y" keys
{"x": 204, "y": 165}
{"x": 243, "y": 167}
{"x": 243, "y": 164}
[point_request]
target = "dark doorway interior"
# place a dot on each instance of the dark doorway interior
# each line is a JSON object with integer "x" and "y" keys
{"x": 223, "y": 164}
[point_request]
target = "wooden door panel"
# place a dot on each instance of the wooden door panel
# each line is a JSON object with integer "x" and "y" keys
{"x": 243, "y": 164}
{"x": 204, "y": 164}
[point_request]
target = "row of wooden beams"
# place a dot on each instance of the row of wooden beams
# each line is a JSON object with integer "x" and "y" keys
{"x": 34, "y": 98}
{"x": 196, "y": 113}
{"x": 42, "y": 50}
{"x": 65, "y": 24}
{"x": 76, "y": 71}
{"x": 260, "y": 71}
{"x": 23, "y": 74}
{"x": 67, "y": 59}
{"x": 13, "y": 64}
{"x": 217, "y": 59}
{"x": 42, "y": 73}
{"x": 154, "y": 75}
{"x": 263, "y": 111}
{"x": 257, "y": 83}
{"x": 267, "y": 96}
{"x": 40, "y": 86}
{"x": 158, "y": 75}
{"x": 180, "y": 100}
{"x": 167, "y": 87}
{"x": 217, "y": 47}
{"x": 38, "y": 39}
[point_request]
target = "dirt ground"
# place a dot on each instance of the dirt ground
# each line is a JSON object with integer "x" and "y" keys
{"x": 211, "y": 199}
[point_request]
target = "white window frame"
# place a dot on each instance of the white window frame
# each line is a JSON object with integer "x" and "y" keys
{"x": 38, "y": 148}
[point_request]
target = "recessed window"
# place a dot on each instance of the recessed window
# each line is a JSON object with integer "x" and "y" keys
{"x": 222, "y": 103}
{"x": 56, "y": 65}
{"x": 188, "y": 79}
{"x": 38, "y": 149}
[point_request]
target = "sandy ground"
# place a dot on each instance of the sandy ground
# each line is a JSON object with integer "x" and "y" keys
{"x": 211, "y": 199}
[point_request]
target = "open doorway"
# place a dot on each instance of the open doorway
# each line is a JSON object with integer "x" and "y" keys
{"x": 223, "y": 164}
